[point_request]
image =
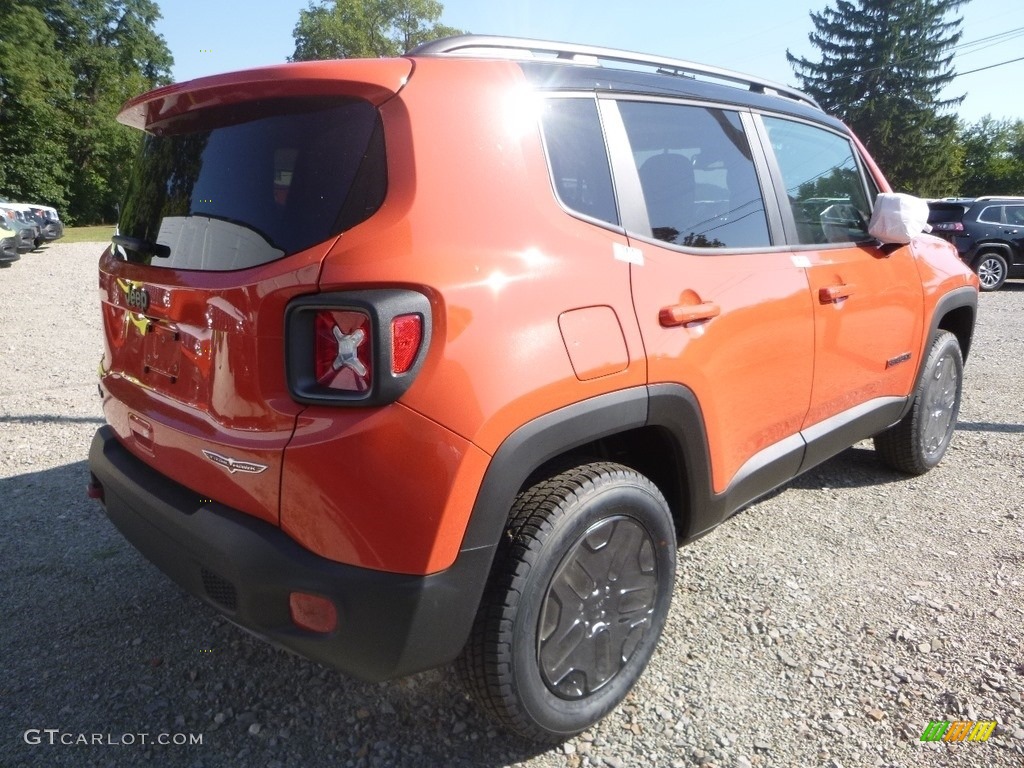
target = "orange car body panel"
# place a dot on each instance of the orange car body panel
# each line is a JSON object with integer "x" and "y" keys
{"x": 374, "y": 80}
{"x": 490, "y": 321}
{"x": 470, "y": 220}
{"x": 753, "y": 390}
{"x": 200, "y": 371}
{"x": 858, "y": 336}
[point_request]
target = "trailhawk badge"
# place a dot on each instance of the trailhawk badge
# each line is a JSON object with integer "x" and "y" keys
{"x": 234, "y": 465}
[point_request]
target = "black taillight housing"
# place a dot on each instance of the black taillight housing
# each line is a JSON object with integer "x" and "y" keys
{"x": 355, "y": 347}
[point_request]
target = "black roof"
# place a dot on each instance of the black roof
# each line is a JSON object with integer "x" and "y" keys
{"x": 569, "y": 76}
{"x": 568, "y": 66}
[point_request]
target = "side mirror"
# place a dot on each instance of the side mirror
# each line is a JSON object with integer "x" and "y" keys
{"x": 898, "y": 218}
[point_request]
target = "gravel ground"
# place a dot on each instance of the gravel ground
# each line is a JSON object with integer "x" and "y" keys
{"x": 823, "y": 626}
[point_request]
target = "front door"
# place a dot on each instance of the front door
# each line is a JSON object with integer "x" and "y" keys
{"x": 867, "y": 299}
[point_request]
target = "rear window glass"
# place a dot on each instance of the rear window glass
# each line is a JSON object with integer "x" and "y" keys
{"x": 242, "y": 185}
{"x": 993, "y": 214}
{"x": 577, "y": 158}
{"x": 942, "y": 214}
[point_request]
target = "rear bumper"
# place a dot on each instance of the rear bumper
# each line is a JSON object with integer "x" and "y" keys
{"x": 388, "y": 624}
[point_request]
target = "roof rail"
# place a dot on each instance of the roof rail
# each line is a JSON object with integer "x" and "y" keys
{"x": 999, "y": 197}
{"x": 518, "y": 47}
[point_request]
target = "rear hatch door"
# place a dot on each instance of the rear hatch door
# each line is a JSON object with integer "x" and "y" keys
{"x": 242, "y": 184}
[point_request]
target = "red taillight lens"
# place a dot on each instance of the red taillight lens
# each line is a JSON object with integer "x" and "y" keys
{"x": 312, "y": 612}
{"x": 343, "y": 350}
{"x": 406, "y": 335}
{"x": 948, "y": 226}
{"x": 95, "y": 491}
{"x": 355, "y": 348}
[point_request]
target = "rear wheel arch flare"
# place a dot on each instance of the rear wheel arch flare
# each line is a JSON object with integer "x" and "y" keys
{"x": 665, "y": 419}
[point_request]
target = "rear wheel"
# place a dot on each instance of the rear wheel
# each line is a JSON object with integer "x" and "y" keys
{"x": 576, "y": 601}
{"x": 919, "y": 441}
{"x": 991, "y": 268}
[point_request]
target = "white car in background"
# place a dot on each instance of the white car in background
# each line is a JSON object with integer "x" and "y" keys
{"x": 45, "y": 217}
{"x": 27, "y": 231}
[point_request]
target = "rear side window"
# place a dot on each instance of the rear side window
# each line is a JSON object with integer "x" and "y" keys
{"x": 697, "y": 175}
{"x": 826, "y": 191}
{"x": 578, "y": 159}
{"x": 1015, "y": 214}
{"x": 993, "y": 214}
{"x": 242, "y": 185}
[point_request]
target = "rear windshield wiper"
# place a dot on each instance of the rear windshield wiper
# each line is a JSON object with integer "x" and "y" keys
{"x": 142, "y": 247}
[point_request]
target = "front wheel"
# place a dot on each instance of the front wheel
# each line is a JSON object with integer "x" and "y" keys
{"x": 919, "y": 441}
{"x": 575, "y": 604}
{"x": 991, "y": 268}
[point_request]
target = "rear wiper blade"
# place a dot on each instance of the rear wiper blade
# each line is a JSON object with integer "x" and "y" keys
{"x": 143, "y": 247}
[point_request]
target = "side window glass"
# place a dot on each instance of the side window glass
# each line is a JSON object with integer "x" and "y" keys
{"x": 1015, "y": 214}
{"x": 578, "y": 159}
{"x": 991, "y": 215}
{"x": 697, "y": 175}
{"x": 824, "y": 184}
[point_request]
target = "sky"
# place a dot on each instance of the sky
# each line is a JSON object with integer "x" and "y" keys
{"x": 210, "y": 36}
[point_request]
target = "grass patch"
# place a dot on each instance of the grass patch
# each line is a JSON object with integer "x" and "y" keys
{"x": 97, "y": 234}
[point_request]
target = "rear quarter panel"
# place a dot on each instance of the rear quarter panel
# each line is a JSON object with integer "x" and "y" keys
{"x": 470, "y": 219}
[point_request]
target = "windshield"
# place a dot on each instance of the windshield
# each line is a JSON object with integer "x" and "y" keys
{"x": 241, "y": 185}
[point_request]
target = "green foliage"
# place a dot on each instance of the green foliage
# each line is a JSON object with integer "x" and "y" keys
{"x": 993, "y": 158}
{"x": 66, "y": 72}
{"x": 883, "y": 65}
{"x": 349, "y": 29}
{"x": 35, "y": 93}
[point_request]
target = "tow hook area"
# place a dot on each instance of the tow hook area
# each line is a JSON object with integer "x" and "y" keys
{"x": 94, "y": 490}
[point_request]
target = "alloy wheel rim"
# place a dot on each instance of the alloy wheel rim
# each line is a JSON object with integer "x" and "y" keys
{"x": 989, "y": 272}
{"x": 598, "y": 607}
{"x": 940, "y": 405}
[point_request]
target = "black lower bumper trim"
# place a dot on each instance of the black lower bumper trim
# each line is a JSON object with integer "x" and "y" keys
{"x": 388, "y": 624}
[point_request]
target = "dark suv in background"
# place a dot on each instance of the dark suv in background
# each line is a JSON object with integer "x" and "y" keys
{"x": 988, "y": 232}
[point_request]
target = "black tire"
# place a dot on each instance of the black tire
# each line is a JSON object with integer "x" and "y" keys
{"x": 520, "y": 667}
{"x": 919, "y": 441}
{"x": 991, "y": 270}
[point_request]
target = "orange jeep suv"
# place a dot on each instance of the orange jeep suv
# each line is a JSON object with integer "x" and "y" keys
{"x": 439, "y": 358}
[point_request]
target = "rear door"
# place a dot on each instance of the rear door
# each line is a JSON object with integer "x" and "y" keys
{"x": 237, "y": 194}
{"x": 722, "y": 309}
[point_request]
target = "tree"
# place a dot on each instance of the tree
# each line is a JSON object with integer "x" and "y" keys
{"x": 114, "y": 54}
{"x": 347, "y": 29}
{"x": 993, "y": 158}
{"x": 883, "y": 66}
{"x": 35, "y": 93}
{"x": 66, "y": 67}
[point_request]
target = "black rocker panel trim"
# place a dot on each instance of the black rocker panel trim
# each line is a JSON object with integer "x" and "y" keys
{"x": 673, "y": 409}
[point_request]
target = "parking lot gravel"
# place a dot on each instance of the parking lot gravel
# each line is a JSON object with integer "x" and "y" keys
{"x": 826, "y": 625}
